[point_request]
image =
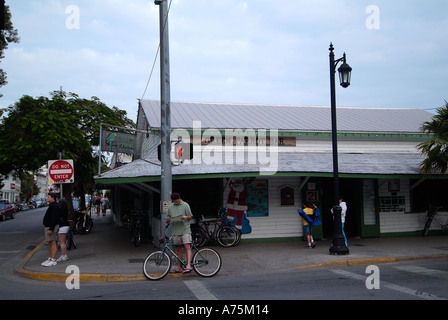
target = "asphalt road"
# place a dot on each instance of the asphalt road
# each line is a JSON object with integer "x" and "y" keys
{"x": 249, "y": 293}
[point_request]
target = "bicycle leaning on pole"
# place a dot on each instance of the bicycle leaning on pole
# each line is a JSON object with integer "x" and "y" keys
{"x": 206, "y": 262}
{"x": 431, "y": 215}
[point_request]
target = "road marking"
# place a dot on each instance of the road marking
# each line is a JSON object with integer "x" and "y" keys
{"x": 10, "y": 252}
{"x": 425, "y": 271}
{"x": 199, "y": 290}
{"x": 412, "y": 292}
{"x": 12, "y": 232}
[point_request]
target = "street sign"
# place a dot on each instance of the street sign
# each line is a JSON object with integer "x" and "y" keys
{"x": 116, "y": 141}
{"x": 61, "y": 171}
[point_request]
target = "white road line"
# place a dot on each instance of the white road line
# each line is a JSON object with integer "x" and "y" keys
{"x": 412, "y": 292}
{"x": 10, "y": 252}
{"x": 425, "y": 271}
{"x": 199, "y": 290}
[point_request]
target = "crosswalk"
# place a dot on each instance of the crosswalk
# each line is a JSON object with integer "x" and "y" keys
{"x": 413, "y": 270}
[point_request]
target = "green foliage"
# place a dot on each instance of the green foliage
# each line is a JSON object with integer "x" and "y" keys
{"x": 9, "y": 35}
{"x": 35, "y": 130}
{"x": 436, "y": 149}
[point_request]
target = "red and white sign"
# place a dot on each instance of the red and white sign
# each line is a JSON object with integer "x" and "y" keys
{"x": 61, "y": 171}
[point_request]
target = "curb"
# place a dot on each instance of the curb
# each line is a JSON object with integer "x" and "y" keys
{"x": 117, "y": 277}
{"x": 93, "y": 277}
{"x": 349, "y": 262}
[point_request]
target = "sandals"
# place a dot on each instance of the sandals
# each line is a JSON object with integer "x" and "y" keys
{"x": 187, "y": 270}
{"x": 176, "y": 271}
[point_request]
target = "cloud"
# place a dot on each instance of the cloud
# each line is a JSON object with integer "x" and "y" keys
{"x": 231, "y": 51}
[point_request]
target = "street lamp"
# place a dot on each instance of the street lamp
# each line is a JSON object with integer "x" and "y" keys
{"x": 338, "y": 245}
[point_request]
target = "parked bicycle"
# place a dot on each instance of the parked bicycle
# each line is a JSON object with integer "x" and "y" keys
{"x": 216, "y": 229}
{"x": 136, "y": 226}
{"x": 83, "y": 222}
{"x": 70, "y": 240}
{"x": 431, "y": 215}
{"x": 206, "y": 262}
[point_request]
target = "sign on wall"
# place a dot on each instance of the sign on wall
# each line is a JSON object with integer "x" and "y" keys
{"x": 116, "y": 141}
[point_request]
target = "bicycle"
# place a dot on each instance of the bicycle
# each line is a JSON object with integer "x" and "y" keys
{"x": 206, "y": 262}
{"x": 216, "y": 229}
{"x": 136, "y": 228}
{"x": 431, "y": 215}
{"x": 84, "y": 223}
{"x": 69, "y": 240}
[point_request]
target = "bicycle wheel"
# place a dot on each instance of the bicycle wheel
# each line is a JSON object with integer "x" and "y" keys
{"x": 238, "y": 239}
{"x": 156, "y": 265}
{"x": 198, "y": 235}
{"x": 72, "y": 239}
{"x": 68, "y": 240}
{"x": 207, "y": 262}
{"x": 227, "y": 236}
{"x": 125, "y": 220}
{"x": 84, "y": 227}
{"x": 137, "y": 235}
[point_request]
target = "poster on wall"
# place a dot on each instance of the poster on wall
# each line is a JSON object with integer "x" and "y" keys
{"x": 246, "y": 197}
{"x": 257, "y": 202}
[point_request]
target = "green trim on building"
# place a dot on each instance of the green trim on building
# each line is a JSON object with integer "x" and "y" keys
{"x": 314, "y": 134}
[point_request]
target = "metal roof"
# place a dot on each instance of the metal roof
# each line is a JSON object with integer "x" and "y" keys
{"x": 309, "y": 164}
{"x": 286, "y": 117}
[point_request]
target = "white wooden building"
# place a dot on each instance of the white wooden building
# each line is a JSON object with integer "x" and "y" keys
{"x": 283, "y": 155}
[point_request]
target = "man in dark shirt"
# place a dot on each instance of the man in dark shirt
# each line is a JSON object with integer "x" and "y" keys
{"x": 51, "y": 224}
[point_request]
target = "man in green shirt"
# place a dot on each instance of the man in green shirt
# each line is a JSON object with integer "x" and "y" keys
{"x": 179, "y": 214}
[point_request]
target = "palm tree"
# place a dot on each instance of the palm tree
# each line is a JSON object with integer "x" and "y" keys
{"x": 436, "y": 149}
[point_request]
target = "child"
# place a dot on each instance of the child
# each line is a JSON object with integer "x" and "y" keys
{"x": 307, "y": 227}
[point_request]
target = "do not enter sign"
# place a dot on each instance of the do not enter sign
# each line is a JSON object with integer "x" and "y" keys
{"x": 61, "y": 171}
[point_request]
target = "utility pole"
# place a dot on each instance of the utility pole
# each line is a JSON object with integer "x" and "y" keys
{"x": 165, "y": 119}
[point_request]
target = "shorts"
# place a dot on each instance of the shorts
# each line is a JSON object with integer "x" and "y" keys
{"x": 63, "y": 229}
{"x": 53, "y": 236}
{"x": 307, "y": 230}
{"x": 182, "y": 239}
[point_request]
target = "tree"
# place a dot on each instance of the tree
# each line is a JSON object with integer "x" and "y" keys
{"x": 7, "y": 35}
{"x": 35, "y": 130}
{"x": 436, "y": 149}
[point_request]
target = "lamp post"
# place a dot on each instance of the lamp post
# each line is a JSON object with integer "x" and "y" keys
{"x": 338, "y": 245}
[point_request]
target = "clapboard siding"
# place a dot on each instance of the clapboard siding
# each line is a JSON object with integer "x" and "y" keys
{"x": 407, "y": 222}
{"x": 282, "y": 221}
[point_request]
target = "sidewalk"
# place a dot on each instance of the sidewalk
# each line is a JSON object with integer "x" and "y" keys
{"x": 108, "y": 254}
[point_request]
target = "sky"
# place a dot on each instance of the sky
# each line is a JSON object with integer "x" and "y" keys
{"x": 253, "y": 51}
